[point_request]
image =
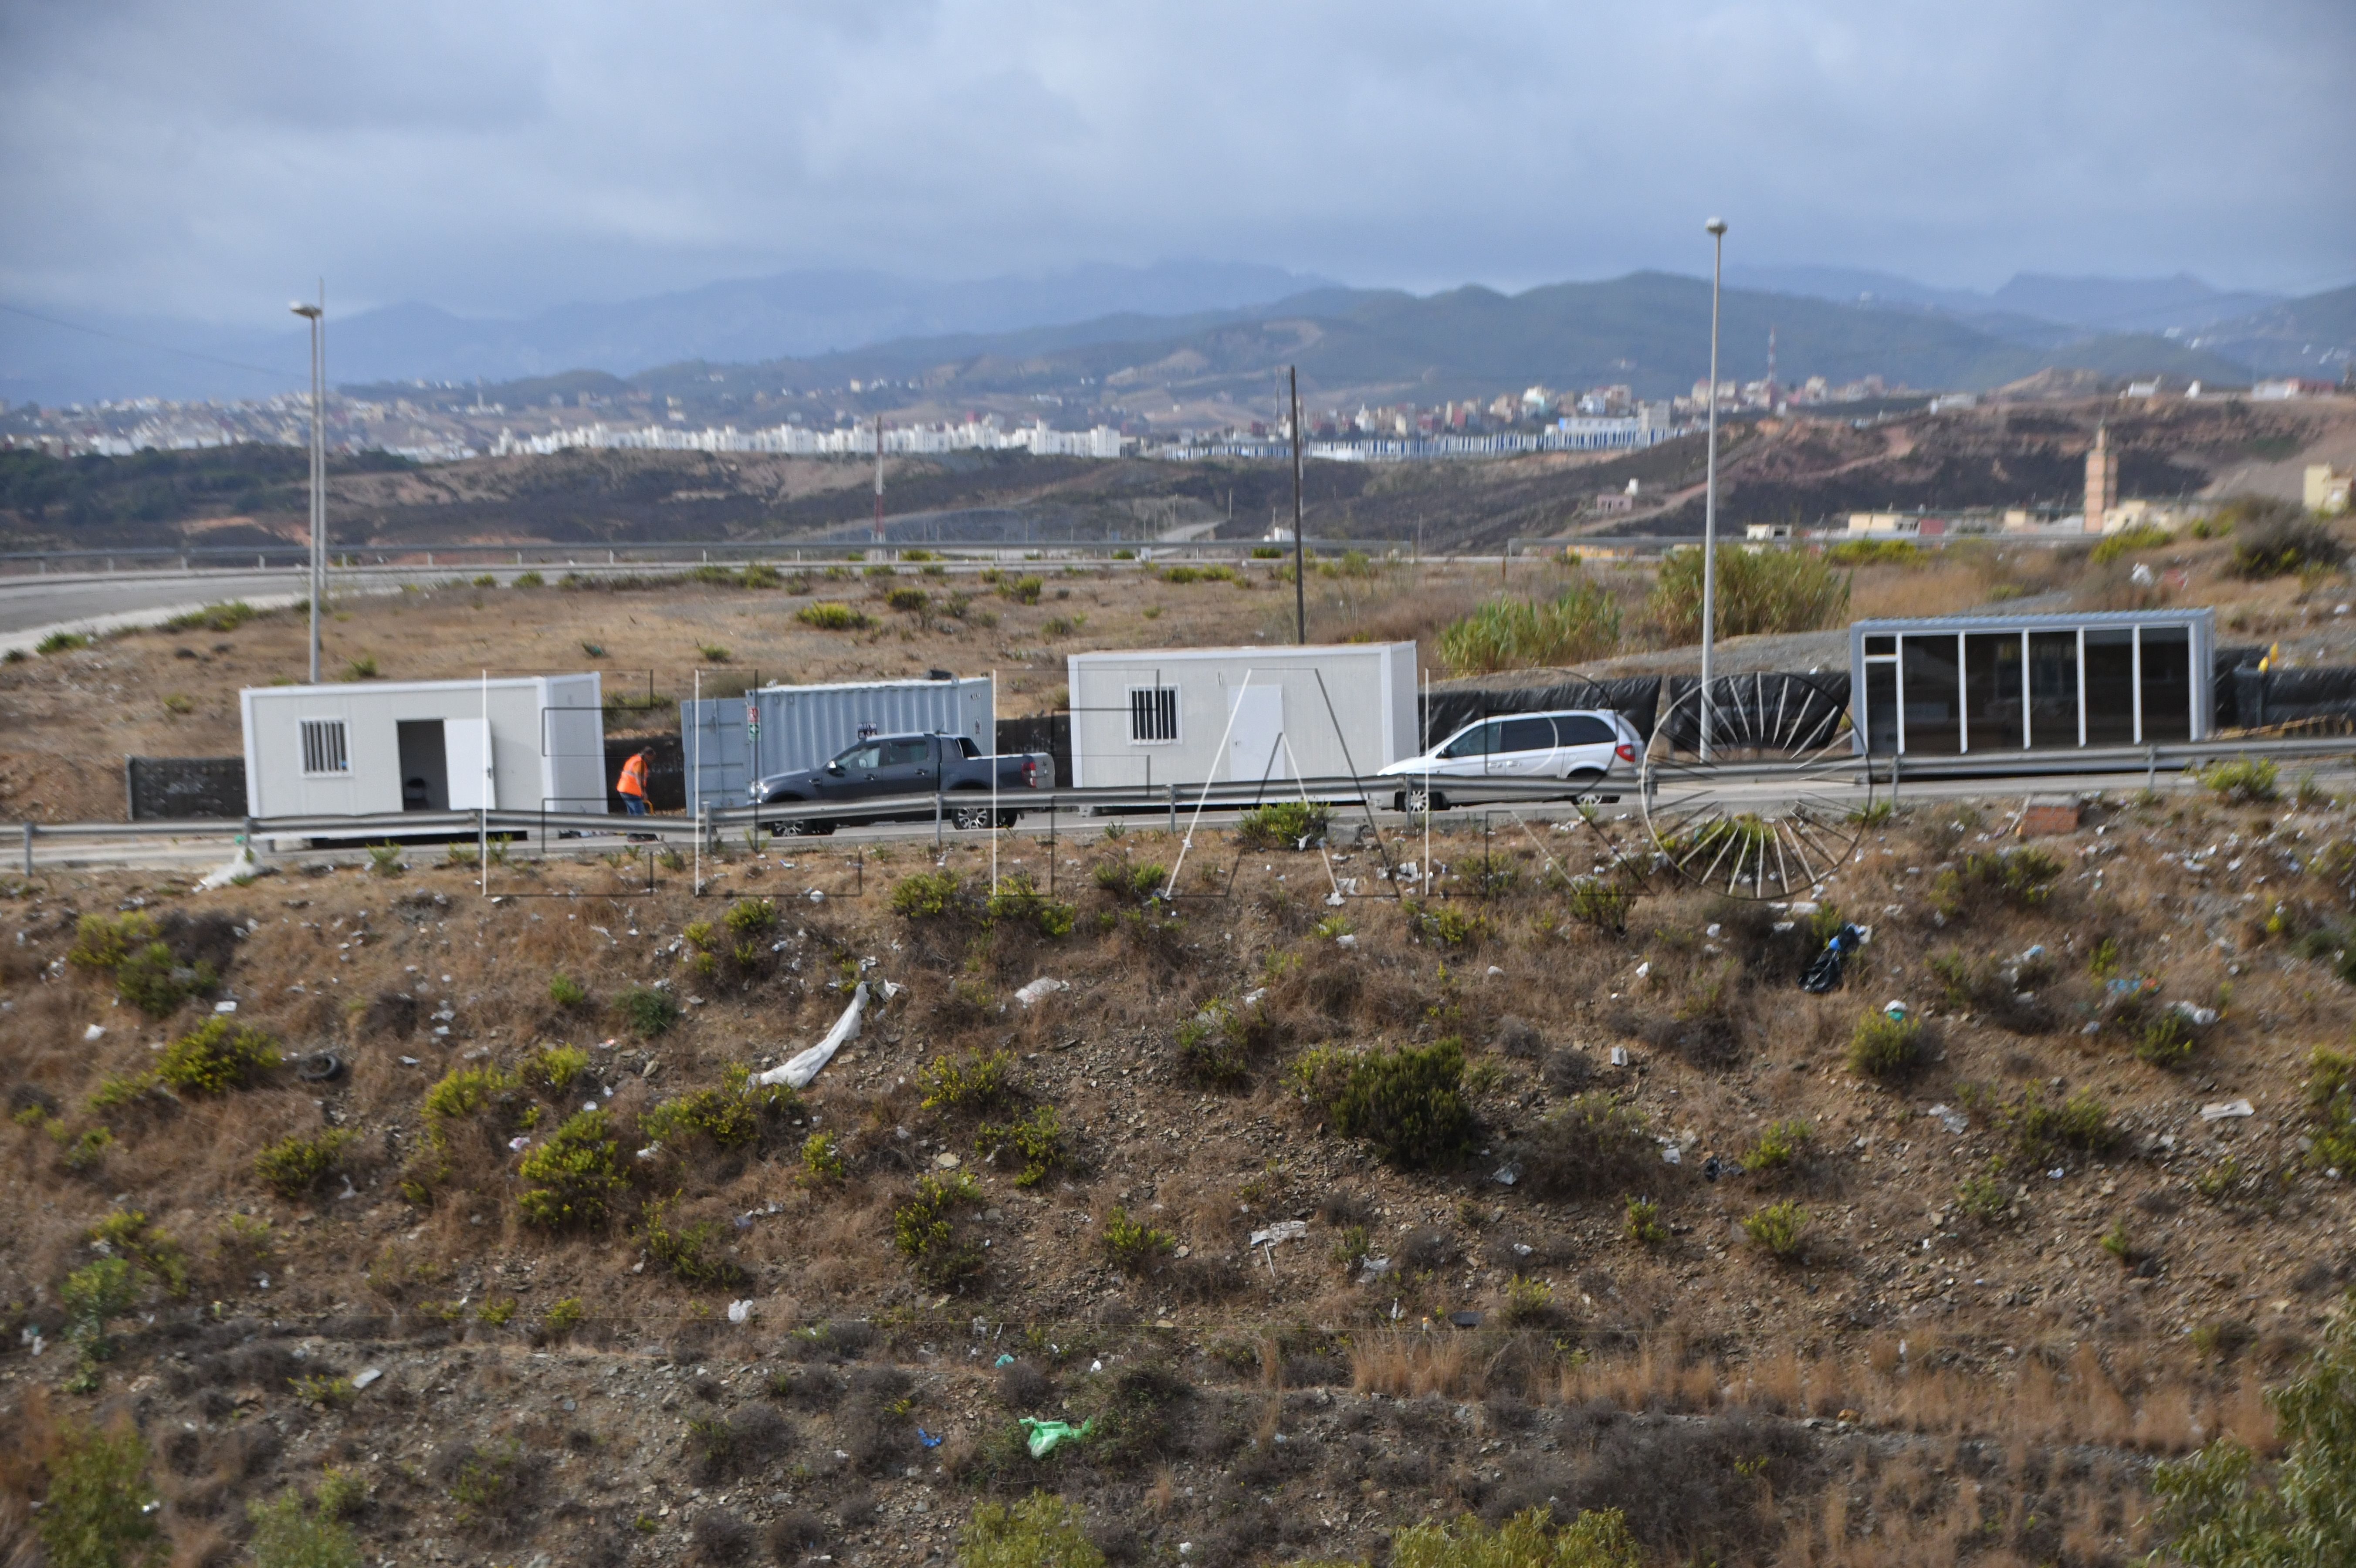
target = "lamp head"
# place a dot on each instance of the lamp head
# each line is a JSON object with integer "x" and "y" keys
{"x": 310, "y": 310}
{"x": 1717, "y": 226}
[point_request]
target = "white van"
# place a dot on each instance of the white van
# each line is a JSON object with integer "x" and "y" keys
{"x": 1583, "y": 747}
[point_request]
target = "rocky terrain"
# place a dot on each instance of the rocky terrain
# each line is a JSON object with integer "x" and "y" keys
{"x": 1336, "y": 1194}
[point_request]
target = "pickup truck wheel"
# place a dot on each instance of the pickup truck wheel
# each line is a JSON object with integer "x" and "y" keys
{"x": 805, "y": 828}
{"x": 969, "y": 818}
{"x": 1009, "y": 819}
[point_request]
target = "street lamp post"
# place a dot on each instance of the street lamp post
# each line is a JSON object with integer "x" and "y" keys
{"x": 1717, "y": 229}
{"x": 316, "y": 315}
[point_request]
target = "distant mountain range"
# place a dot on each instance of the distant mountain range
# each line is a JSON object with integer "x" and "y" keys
{"x": 1100, "y": 333}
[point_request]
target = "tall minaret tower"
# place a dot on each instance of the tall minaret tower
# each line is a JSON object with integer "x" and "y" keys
{"x": 2102, "y": 479}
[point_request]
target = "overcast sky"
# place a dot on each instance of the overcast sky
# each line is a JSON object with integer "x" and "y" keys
{"x": 210, "y": 160}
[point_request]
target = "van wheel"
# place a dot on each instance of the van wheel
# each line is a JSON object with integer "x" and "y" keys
{"x": 1419, "y": 802}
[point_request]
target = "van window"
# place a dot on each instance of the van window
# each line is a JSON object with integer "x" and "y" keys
{"x": 1528, "y": 735}
{"x": 1584, "y": 730}
{"x": 1474, "y": 742}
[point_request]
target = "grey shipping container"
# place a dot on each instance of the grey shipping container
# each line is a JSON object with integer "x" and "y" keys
{"x": 802, "y": 726}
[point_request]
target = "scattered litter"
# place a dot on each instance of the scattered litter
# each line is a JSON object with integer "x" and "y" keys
{"x": 927, "y": 1438}
{"x": 1252, "y": 998}
{"x": 227, "y": 1006}
{"x": 1282, "y": 1231}
{"x": 408, "y": 1062}
{"x": 1619, "y": 1056}
{"x": 1712, "y": 929}
{"x": 520, "y": 1141}
{"x": 1824, "y": 973}
{"x": 1095, "y": 1366}
{"x": 1645, "y": 969}
{"x": 946, "y": 1160}
{"x": 1506, "y": 1176}
{"x": 1047, "y": 1435}
{"x": 1494, "y": 970}
{"x": 1894, "y": 1009}
{"x": 319, "y": 1067}
{"x": 798, "y": 1071}
{"x": 1466, "y": 1318}
{"x": 1345, "y": 940}
{"x": 1713, "y": 1167}
{"x": 1672, "y": 1155}
{"x": 1372, "y": 1270}
{"x": 2141, "y": 576}
{"x": 1039, "y": 990}
{"x": 95, "y": 1031}
{"x": 2199, "y": 1017}
{"x": 1005, "y": 1360}
{"x": 363, "y": 1380}
{"x": 1954, "y": 1121}
{"x": 242, "y": 864}
{"x": 2219, "y": 1110}
{"x": 739, "y": 1311}
{"x": 1523, "y": 1249}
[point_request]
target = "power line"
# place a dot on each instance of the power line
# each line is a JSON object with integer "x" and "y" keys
{"x": 143, "y": 343}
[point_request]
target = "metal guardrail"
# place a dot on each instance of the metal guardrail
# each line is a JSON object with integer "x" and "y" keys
{"x": 1343, "y": 791}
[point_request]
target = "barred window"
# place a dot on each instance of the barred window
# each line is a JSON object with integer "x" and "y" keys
{"x": 1152, "y": 714}
{"x": 323, "y": 747}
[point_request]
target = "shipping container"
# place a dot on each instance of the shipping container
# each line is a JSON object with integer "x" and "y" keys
{"x": 514, "y": 743}
{"x": 731, "y": 741}
{"x": 1192, "y": 716}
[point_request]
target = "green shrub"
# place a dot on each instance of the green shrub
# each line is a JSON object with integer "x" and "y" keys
{"x": 61, "y": 643}
{"x": 529, "y": 580}
{"x": 2164, "y": 1038}
{"x": 648, "y": 1011}
{"x": 1591, "y": 1147}
{"x": 832, "y": 616}
{"x": 1528, "y": 1539}
{"x": 361, "y": 668}
{"x": 729, "y": 1114}
{"x": 567, "y": 992}
{"x": 2241, "y": 780}
{"x": 2143, "y": 535}
{"x": 153, "y": 979}
{"x": 1216, "y": 1045}
{"x": 1603, "y": 903}
{"x": 1035, "y": 1143}
{"x": 2037, "y": 1130}
{"x": 822, "y": 1159}
{"x": 1640, "y": 1220}
{"x": 1283, "y": 824}
{"x": 685, "y": 1252}
{"x": 1143, "y": 882}
{"x": 1041, "y": 1531}
{"x": 751, "y": 918}
{"x": 1781, "y": 1227}
{"x": 1875, "y": 552}
{"x": 1883, "y": 1047}
{"x": 1133, "y": 1247}
{"x": 1444, "y": 926}
{"x": 126, "y": 1232}
{"x": 1781, "y": 1145}
{"x": 928, "y": 895}
{"x": 1983, "y": 1196}
{"x": 555, "y": 1068}
{"x": 1758, "y": 591}
{"x": 970, "y": 1082}
{"x": 923, "y": 1228}
{"x": 1409, "y": 1103}
{"x": 96, "y": 1513}
{"x": 224, "y": 617}
{"x": 286, "y": 1535}
{"x": 463, "y": 1094}
{"x": 1581, "y": 622}
{"x": 217, "y": 1057}
{"x": 910, "y": 601}
{"x": 2220, "y": 1510}
{"x": 2281, "y": 548}
{"x": 296, "y": 1166}
{"x": 563, "y": 1316}
{"x": 569, "y": 1179}
{"x": 384, "y": 859}
{"x": 1023, "y": 590}
{"x": 94, "y": 1295}
{"x": 2023, "y": 878}
{"x": 101, "y": 942}
{"x": 2331, "y": 1110}
{"x": 1018, "y": 899}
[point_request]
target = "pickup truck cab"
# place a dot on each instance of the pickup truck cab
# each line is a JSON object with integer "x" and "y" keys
{"x": 1582, "y": 747}
{"x": 884, "y": 766}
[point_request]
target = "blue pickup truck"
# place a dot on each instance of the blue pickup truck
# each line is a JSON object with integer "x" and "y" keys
{"x": 884, "y": 766}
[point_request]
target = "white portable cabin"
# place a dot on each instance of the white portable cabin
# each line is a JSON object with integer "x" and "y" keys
{"x": 511, "y": 743}
{"x": 1192, "y": 715}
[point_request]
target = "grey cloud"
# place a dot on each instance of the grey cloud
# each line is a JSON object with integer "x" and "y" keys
{"x": 208, "y": 161}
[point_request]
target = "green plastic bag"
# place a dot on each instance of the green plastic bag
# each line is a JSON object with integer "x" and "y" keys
{"x": 1046, "y": 1435}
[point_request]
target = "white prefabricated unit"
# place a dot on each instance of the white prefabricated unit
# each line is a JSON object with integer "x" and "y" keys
{"x": 1192, "y": 716}
{"x": 729, "y": 741}
{"x": 512, "y": 744}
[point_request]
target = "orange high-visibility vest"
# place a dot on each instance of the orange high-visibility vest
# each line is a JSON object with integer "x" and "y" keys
{"x": 634, "y": 776}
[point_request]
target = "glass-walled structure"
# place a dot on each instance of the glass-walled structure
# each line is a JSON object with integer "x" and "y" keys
{"x": 1959, "y": 684}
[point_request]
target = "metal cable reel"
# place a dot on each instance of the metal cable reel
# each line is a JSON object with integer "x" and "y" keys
{"x": 1774, "y": 804}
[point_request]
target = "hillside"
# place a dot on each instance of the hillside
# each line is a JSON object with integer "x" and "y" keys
{"x": 1993, "y": 1319}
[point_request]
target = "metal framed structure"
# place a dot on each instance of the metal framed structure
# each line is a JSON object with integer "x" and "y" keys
{"x": 1951, "y": 686}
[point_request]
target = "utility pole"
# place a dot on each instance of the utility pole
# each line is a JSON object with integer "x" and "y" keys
{"x": 1717, "y": 229}
{"x": 878, "y": 478}
{"x": 317, "y": 317}
{"x": 1300, "y": 555}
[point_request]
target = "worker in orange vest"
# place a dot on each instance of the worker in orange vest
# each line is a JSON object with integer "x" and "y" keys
{"x": 632, "y": 785}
